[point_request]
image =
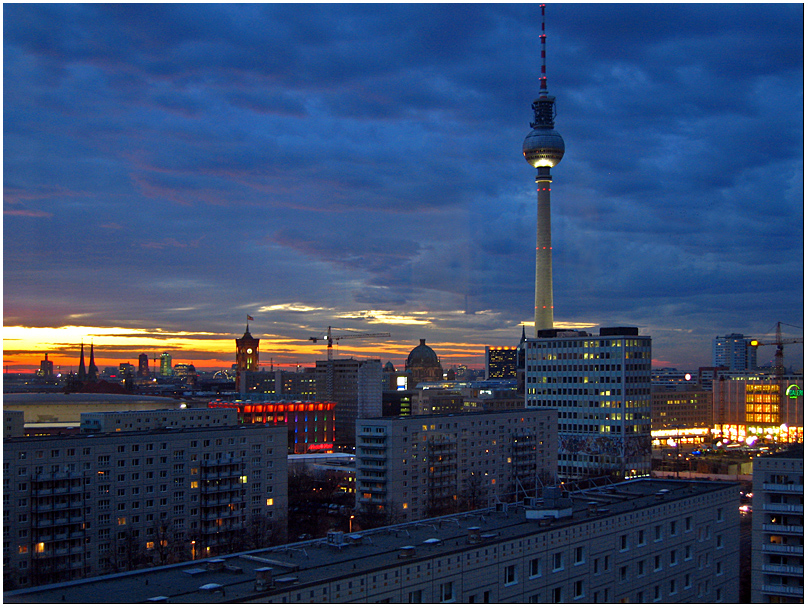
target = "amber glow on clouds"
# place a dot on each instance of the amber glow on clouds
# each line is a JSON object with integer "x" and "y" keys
{"x": 25, "y": 347}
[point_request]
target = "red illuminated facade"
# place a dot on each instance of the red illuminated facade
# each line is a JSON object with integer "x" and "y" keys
{"x": 310, "y": 424}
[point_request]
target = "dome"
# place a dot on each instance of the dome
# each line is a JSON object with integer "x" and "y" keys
{"x": 389, "y": 368}
{"x": 422, "y": 356}
{"x": 543, "y": 147}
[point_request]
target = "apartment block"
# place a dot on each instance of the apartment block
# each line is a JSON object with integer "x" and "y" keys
{"x": 777, "y": 528}
{"x": 412, "y": 467}
{"x": 642, "y": 541}
{"x": 116, "y": 422}
{"x": 89, "y": 504}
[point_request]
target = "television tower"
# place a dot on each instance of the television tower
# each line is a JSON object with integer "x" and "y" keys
{"x": 543, "y": 148}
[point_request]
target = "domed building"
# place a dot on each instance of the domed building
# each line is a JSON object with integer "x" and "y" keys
{"x": 423, "y": 365}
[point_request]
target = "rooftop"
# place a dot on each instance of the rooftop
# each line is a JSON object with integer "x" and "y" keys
{"x": 321, "y": 561}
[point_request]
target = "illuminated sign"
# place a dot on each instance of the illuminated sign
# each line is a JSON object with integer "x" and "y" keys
{"x": 321, "y": 446}
{"x": 793, "y": 391}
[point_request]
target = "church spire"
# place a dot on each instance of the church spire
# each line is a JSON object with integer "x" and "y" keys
{"x": 82, "y": 375}
{"x": 92, "y": 370}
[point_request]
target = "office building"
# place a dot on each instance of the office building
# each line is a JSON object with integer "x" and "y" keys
{"x": 13, "y": 424}
{"x": 777, "y": 528}
{"x": 601, "y": 387}
{"x": 683, "y": 414}
{"x": 90, "y": 504}
{"x": 310, "y": 425}
{"x": 413, "y": 467}
{"x": 356, "y": 387}
{"x": 749, "y": 405}
{"x": 641, "y": 541}
{"x": 501, "y": 362}
{"x": 734, "y": 352}
{"x": 165, "y": 365}
{"x": 45, "y": 370}
{"x": 143, "y": 366}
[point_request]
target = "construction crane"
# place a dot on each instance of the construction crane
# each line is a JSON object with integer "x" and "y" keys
{"x": 332, "y": 338}
{"x": 779, "y": 368}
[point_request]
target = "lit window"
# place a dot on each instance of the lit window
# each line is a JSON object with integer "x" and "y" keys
{"x": 270, "y": 502}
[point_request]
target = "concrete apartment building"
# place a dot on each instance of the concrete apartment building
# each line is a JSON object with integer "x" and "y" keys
{"x": 601, "y": 387}
{"x": 777, "y": 528}
{"x": 412, "y": 467}
{"x": 645, "y": 540}
{"x": 89, "y": 504}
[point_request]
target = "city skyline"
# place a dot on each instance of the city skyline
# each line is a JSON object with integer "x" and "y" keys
{"x": 170, "y": 169}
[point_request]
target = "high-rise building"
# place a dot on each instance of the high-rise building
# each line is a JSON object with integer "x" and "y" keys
{"x": 413, "y": 467}
{"x": 356, "y": 386}
{"x": 165, "y": 365}
{"x": 543, "y": 148}
{"x": 143, "y": 366}
{"x": 501, "y": 361}
{"x": 735, "y": 352}
{"x": 601, "y": 387}
{"x": 777, "y": 528}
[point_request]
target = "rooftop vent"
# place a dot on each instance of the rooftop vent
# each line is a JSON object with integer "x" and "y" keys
{"x": 263, "y": 579}
{"x": 406, "y": 551}
{"x": 474, "y": 535}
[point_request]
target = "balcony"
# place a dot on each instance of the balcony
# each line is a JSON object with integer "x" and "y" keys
{"x": 782, "y": 529}
{"x": 789, "y": 549}
{"x": 783, "y": 487}
{"x": 774, "y": 507}
{"x": 792, "y": 590}
{"x": 371, "y": 466}
{"x": 780, "y": 569}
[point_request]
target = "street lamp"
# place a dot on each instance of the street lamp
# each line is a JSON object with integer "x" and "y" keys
{"x": 350, "y": 524}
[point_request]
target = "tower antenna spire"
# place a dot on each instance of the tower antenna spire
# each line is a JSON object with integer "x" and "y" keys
{"x": 543, "y": 79}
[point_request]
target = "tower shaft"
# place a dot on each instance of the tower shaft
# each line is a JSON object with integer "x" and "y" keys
{"x": 543, "y": 315}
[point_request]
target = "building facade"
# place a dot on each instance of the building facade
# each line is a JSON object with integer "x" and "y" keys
{"x": 777, "y": 528}
{"x": 422, "y": 365}
{"x": 734, "y": 352}
{"x": 356, "y": 387}
{"x": 501, "y": 362}
{"x": 642, "y": 541}
{"x": 601, "y": 387}
{"x": 413, "y": 467}
{"x": 310, "y": 425}
{"x": 683, "y": 414}
{"x": 85, "y": 505}
{"x": 759, "y": 405}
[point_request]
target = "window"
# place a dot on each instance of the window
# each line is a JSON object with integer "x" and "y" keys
{"x": 673, "y": 528}
{"x": 558, "y": 596}
{"x": 579, "y": 555}
{"x": 688, "y": 582}
{"x": 657, "y": 562}
{"x": 579, "y": 589}
{"x": 719, "y": 568}
{"x": 535, "y": 567}
{"x": 656, "y": 593}
{"x": 447, "y": 592}
{"x": 623, "y": 573}
{"x": 558, "y": 561}
{"x": 641, "y": 538}
{"x": 719, "y": 514}
{"x": 641, "y": 567}
{"x": 719, "y": 541}
{"x": 623, "y": 542}
{"x": 688, "y": 552}
{"x": 673, "y": 586}
{"x": 415, "y": 597}
{"x": 688, "y": 524}
{"x": 510, "y": 574}
{"x": 657, "y": 533}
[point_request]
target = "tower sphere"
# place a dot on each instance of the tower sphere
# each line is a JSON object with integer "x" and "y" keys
{"x": 543, "y": 147}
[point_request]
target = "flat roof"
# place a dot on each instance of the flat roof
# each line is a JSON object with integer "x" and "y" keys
{"x": 318, "y": 562}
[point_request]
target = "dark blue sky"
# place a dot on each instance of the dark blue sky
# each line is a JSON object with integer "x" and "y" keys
{"x": 177, "y": 167}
